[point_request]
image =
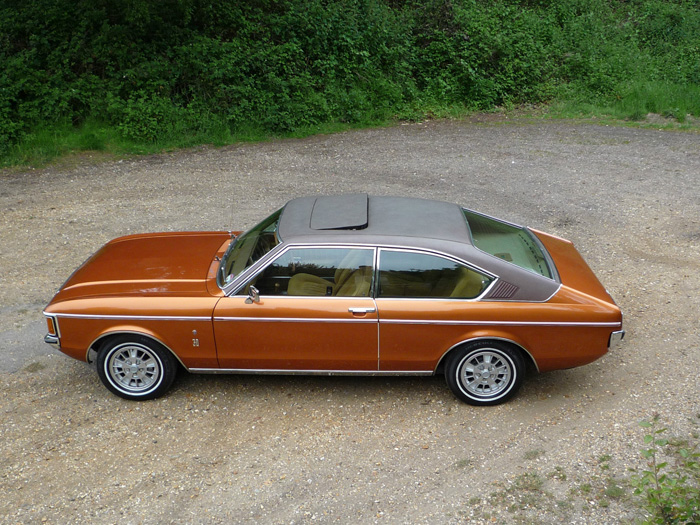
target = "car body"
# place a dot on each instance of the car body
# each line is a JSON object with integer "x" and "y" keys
{"x": 345, "y": 284}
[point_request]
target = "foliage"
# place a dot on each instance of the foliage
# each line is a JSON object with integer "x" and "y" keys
{"x": 670, "y": 486}
{"x": 165, "y": 73}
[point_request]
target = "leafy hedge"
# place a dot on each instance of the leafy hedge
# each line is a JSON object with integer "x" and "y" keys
{"x": 156, "y": 69}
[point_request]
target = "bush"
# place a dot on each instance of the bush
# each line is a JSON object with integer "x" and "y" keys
{"x": 150, "y": 70}
{"x": 670, "y": 486}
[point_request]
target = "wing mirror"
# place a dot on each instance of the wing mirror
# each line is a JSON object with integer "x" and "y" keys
{"x": 253, "y": 295}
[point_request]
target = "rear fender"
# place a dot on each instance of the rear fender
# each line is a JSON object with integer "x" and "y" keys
{"x": 499, "y": 336}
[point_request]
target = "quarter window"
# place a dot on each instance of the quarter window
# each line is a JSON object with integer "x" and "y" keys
{"x": 412, "y": 274}
{"x": 340, "y": 272}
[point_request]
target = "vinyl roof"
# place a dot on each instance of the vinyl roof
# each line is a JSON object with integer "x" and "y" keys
{"x": 358, "y": 216}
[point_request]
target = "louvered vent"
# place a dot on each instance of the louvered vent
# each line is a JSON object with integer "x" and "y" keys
{"x": 503, "y": 290}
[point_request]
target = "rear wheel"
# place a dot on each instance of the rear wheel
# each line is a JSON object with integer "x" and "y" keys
{"x": 135, "y": 367}
{"x": 485, "y": 372}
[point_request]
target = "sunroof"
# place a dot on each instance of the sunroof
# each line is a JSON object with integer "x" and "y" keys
{"x": 340, "y": 212}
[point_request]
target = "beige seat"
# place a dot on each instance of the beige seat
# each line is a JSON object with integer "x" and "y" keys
{"x": 470, "y": 284}
{"x": 350, "y": 280}
{"x": 307, "y": 284}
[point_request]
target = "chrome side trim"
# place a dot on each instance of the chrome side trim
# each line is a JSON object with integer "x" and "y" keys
{"x": 277, "y": 371}
{"x": 496, "y": 323}
{"x": 136, "y": 317}
{"x": 297, "y": 319}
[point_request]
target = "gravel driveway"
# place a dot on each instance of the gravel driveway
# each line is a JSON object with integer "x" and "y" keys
{"x": 247, "y": 449}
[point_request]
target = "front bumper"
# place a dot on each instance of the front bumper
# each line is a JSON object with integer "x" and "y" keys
{"x": 52, "y": 340}
{"x": 615, "y": 339}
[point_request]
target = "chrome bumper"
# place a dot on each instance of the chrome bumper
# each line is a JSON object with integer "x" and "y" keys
{"x": 615, "y": 339}
{"x": 52, "y": 340}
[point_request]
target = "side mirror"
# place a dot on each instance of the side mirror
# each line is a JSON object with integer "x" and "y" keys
{"x": 253, "y": 295}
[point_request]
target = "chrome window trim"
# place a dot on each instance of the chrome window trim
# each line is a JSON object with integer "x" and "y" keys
{"x": 237, "y": 286}
{"x": 311, "y": 372}
{"x": 438, "y": 253}
{"x": 232, "y": 287}
{"x": 235, "y": 238}
{"x": 443, "y": 255}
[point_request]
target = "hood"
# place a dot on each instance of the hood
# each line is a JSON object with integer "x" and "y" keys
{"x": 147, "y": 264}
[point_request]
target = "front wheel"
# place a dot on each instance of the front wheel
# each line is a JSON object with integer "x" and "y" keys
{"x": 485, "y": 372}
{"x": 135, "y": 368}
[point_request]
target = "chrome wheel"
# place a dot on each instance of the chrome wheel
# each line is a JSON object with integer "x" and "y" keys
{"x": 134, "y": 367}
{"x": 485, "y": 372}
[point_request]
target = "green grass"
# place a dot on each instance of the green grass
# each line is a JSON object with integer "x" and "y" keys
{"x": 671, "y": 101}
{"x": 675, "y": 107}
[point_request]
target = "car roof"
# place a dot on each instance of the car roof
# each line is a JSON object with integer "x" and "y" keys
{"x": 363, "y": 218}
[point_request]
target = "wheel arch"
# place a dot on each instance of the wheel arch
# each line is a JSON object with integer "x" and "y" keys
{"x": 95, "y": 346}
{"x": 527, "y": 356}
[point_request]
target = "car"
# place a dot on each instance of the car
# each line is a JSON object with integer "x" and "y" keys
{"x": 338, "y": 284}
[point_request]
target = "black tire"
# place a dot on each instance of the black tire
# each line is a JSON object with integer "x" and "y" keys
{"x": 135, "y": 367}
{"x": 484, "y": 372}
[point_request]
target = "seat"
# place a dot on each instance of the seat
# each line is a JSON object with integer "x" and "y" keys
{"x": 470, "y": 284}
{"x": 350, "y": 279}
{"x": 307, "y": 284}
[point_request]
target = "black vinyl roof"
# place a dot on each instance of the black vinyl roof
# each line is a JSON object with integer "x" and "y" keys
{"x": 356, "y": 217}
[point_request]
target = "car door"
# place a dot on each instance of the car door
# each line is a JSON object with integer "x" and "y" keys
{"x": 313, "y": 311}
{"x": 423, "y": 301}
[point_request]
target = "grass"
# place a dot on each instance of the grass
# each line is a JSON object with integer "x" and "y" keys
{"x": 680, "y": 104}
{"x": 672, "y": 106}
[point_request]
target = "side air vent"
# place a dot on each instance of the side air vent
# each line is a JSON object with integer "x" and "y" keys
{"x": 503, "y": 290}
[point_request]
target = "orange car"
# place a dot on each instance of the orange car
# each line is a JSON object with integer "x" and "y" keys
{"x": 348, "y": 284}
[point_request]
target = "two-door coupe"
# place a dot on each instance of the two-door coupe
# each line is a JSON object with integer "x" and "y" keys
{"x": 349, "y": 284}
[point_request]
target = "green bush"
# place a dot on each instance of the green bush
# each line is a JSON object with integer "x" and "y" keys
{"x": 160, "y": 72}
{"x": 670, "y": 485}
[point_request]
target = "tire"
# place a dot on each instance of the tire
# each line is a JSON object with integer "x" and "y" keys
{"x": 135, "y": 367}
{"x": 485, "y": 372}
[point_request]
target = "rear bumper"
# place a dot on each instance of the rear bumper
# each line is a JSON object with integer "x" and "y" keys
{"x": 615, "y": 339}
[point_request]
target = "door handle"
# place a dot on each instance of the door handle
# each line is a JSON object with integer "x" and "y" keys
{"x": 362, "y": 310}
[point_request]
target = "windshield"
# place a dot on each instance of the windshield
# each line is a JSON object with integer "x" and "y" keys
{"x": 508, "y": 242}
{"x": 248, "y": 248}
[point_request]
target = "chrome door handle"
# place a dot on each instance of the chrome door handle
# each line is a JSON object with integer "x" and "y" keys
{"x": 362, "y": 310}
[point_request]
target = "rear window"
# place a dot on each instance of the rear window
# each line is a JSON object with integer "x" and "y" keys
{"x": 511, "y": 243}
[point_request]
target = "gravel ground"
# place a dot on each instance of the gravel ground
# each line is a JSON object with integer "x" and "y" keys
{"x": 245, "y": 449}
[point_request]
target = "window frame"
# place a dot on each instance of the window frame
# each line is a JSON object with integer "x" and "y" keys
{"x": 438, "y": 254}
{"x": 237, "y": 290}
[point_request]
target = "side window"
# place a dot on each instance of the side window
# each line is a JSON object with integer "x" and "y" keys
{"x": 340, "y": 272}
{"x": 410, "y": 274}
